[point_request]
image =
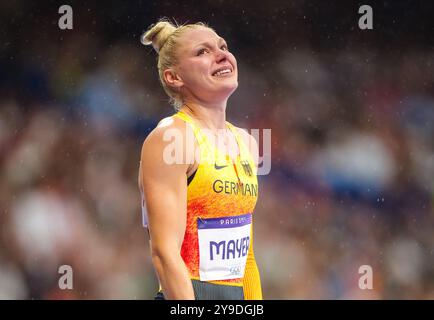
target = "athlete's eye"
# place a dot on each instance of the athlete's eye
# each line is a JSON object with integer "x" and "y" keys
{"x": 224, "y": 47}
{"x": 202, "y": 51}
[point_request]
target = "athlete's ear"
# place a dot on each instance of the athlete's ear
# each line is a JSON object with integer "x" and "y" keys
{"x": 172, "y": 78}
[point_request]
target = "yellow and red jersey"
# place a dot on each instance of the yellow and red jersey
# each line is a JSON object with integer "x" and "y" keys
{"x": 221, "y": 199}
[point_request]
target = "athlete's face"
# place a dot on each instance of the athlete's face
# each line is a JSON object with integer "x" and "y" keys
{"x": 206, "y": 68}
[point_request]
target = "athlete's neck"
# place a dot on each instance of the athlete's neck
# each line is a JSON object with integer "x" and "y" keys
{"x": 211, "y": 116}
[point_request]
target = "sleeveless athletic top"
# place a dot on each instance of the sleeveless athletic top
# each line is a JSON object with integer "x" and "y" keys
{"x": 218, "y": 241}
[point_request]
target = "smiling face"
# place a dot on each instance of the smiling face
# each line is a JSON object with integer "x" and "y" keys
{"x": 206, "y": 70}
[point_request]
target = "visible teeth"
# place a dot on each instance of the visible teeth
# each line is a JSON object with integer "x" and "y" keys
{"x": 222, "y": 72}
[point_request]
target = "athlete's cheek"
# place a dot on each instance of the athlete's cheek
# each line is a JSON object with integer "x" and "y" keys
{"x": 234, "y": 63}
{"x": 232, "y": 57}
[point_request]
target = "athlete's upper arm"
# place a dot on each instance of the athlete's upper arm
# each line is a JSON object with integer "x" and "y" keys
{"x": 165, "y": 189}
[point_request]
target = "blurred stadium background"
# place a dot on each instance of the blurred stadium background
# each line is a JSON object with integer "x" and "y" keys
{"x": 352, "y": 119}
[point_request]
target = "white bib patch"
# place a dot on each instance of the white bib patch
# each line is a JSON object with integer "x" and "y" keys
{"x": 223, "y": 247}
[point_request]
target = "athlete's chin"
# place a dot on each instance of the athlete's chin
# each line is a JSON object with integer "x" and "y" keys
{"x": 228, "y": 88}
{"x": 226, "y": 92}
{"x": 234, "y": 87}
{"x": 222, "y": 91}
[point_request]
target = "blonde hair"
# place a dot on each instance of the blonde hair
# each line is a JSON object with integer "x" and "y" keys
{"x": 164, "y": 37}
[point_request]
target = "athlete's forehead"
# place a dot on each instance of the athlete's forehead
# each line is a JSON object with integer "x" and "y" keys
{"x": 199, "y": 36}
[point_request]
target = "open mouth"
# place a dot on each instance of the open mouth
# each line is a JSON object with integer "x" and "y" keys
{"x": 222, "y": 72}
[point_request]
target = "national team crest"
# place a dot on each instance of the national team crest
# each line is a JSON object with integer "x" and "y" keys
{"x": 247, "y": 169}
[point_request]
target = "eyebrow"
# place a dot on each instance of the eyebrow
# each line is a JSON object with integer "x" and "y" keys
{"x": 207, "y": 44}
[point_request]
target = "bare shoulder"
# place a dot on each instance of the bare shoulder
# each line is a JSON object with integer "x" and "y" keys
{"x": 167, "y": 127}
{"x": 169, "y": 135}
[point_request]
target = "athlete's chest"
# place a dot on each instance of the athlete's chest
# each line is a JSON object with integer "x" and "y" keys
{"x": 225, "y": 179}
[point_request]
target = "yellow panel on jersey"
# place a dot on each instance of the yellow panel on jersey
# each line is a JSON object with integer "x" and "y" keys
{"x": 218, "y": 241}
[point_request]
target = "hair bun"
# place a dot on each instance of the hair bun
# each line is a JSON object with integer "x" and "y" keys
{"x": 157, "y": 34}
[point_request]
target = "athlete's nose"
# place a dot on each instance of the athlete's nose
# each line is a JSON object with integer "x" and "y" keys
{"x": 221, "y": 56}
